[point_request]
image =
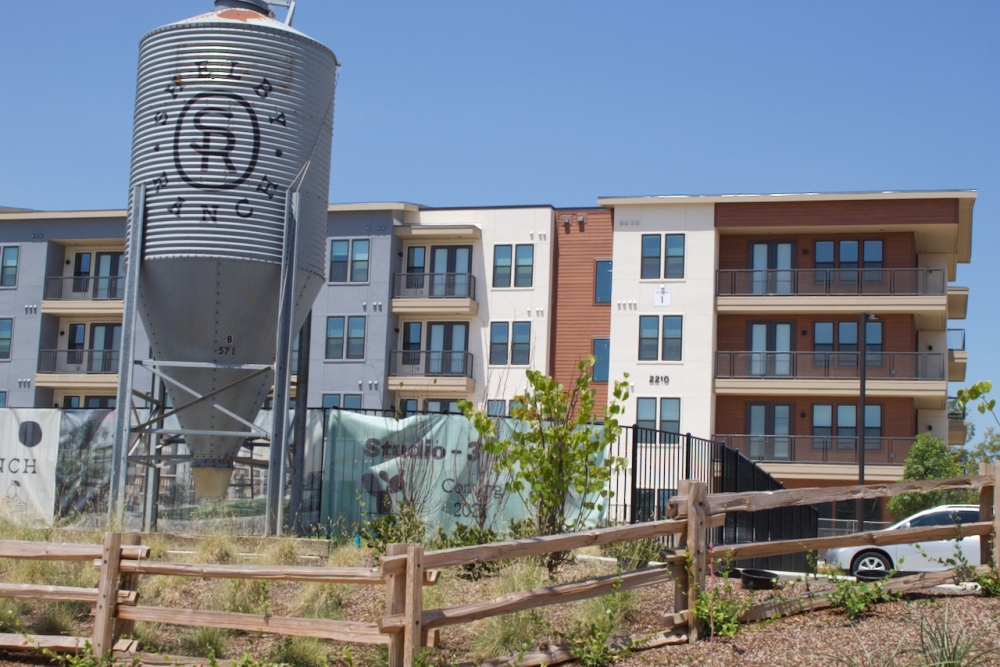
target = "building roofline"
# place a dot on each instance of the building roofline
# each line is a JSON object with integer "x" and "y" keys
{"x": 62, "y": 215}
{"x": 373, "y": 206}
{"x": 801, "y": 196}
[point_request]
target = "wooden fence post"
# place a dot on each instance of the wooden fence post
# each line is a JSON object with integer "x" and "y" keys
{"x": 986, "y": 514}
{"x": 698, "y": 549}
{"x": 414, "y": 606}
{"x": 129, "y": 582}
{"x": 680, "y": 570}
{"x": 395, "y": 603}
{"x": 996, "y": 518}
{"x": 107, "y": 595}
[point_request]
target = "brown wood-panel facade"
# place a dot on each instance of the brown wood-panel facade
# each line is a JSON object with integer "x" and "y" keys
{"x": 899, "y": 249}
{"x": 899, "y": 416}
{"x": 577, "y": 319}
{"x": 899, "y": 331}
{"x": 836, "y": 213}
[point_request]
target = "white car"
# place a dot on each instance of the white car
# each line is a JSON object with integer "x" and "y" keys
{"x": 907, "y": 557}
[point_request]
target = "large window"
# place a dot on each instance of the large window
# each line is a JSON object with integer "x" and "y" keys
{"x": 8, "y": 266}
{"x": 670, "y": 415}
{"x": 524, "y": 260}
{"x": 71, "y": 402}
{"x": 3, "y": 399}
{"x": 331, "y": 401}
{"x": 602, "y": 281}
{"x": 669, "y": 419}
{"x": 838, "y": 424}
{"x": 499, "y": 338}
{"x": 352, "y": 401}
{"x": 672, "y": 325}
{"x": 335, "y": 338}
{"x": 520, "y": 347}
{"x": 602, "y": 358}
{"x": 6, "y": 334}
{"x": 650, "y": 256}
{"x": 496, "y": 408}
{"x": 349, "y": 260}
{"x": 355, "y": 337}
{"x": 502, "y": 262}
{"x": 674, "y": 267}
{"x": 645, "y": 413}
{"x": 649, "y": 332}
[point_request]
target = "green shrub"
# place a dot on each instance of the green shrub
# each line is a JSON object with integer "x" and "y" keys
{"x": 516, "y": 632}
{"x": 948, "y": 644}
{"x": 300, "y": 652}
{"x": 592, "y": 639}
{"x": 467, "y": 536}
{"x": 322, "y": 600}
{"x": 856, "y": 597}
{"x": 719, "y": 608}
{"x": 202, "y": 642}
{"x": 633, "y": 555}
{"x": 245, "y": 596}
{"x": 59, "y": 618}
{"x": 216, "y": 549}
{"x": 989, "y": 583}
{"x": 403, "y": 526}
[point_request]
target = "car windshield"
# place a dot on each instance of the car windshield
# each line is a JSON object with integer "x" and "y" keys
{"x": 942, "y": 518}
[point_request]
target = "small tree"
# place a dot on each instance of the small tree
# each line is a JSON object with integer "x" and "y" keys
{"x": 929, "y": 458}
{"x": 558, "y": 456}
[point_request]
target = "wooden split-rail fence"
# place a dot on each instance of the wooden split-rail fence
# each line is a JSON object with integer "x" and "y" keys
{"x": 405, "y": 569}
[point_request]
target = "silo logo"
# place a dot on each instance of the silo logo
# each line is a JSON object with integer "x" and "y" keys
{"x": 216, "y": 141}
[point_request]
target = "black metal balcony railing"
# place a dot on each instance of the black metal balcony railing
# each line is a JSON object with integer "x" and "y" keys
{"x": 78, "y": 361}
{"x": 420, "y": 363}
{"x": 821, "y": 282}
{"x": 834, "y": 365}
{"x": 956, "y": 339}
{"x": 100, "y": 288}
{"x": 433, "y": 286}
{"x": 819, "y": 448}
{"x": 954, "y": 411}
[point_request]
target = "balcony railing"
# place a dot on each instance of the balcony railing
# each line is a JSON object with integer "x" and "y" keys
{"x": 434, "y": 286}
{"x": 821, "y": 282}
{"x": 954, "y": 411}
{"x": 956, "y": 339}
{"x": 834, "y": 365}
{"x": 819, "y": 448}
{"x": 101, "y": 288}
{"x": 78, "y": 361}
{"x": 421, "y": 363}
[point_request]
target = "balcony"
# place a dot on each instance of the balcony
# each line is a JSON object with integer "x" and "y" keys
{"x": 61, "y": 369}
{"x": 434, "y": 294}
{"x": 907, "y": 374}
{"x": 819, "y": 449}
{"x": 920, "y": 291}
{"x": 958, "y": 358}
{"x": 69, "y": 296}
{"x": 958, "y": 427}
{"x": 435, "y": 372}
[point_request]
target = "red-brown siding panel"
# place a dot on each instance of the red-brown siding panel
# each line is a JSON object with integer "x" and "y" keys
{"x": 576, "y": 319}
{"x": 898, "y": 250}
{"x": 821, "y": 213}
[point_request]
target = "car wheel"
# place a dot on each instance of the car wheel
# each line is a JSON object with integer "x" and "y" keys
{"x": 871, "y": 560}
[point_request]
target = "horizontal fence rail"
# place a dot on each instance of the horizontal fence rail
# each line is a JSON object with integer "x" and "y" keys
{"x": 832, "y": 365}
{"x": 430, "y": 363}
{"x": 85, "y": 288}
{"x": 78, "y": 361}
{"x": 823, "y": 282}
{"x": 818, "y": 448}
{"x": 433, "y": 286}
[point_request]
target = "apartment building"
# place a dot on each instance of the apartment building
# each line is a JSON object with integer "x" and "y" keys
{"x": 745, "y": 316}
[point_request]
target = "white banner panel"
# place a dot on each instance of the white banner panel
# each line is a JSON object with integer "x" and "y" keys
{"x": 29, "y": 446}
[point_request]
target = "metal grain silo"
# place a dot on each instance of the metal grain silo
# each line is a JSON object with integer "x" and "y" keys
{"x": 232, "y": 107}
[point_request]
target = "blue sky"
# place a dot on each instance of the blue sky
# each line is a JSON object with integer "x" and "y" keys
{"x": 459, "y": 103}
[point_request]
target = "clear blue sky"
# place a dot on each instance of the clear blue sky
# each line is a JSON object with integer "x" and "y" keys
{"x": 474, "y": 103}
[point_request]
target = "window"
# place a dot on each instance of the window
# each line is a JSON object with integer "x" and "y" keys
{"x": 675, "y": 256}
{"x": 649, "y": 326}
{"x": 672, "y": 337}
{"x": 602, "y": 281}
{"x": 873, "y": 343}
{"x": 842, "y": 421}
{"x": 524, "y": 265}
{"x": 335, "y": 338}
{"x": 294, "y": 363}
{"x": 645, "y": 414}
{"x": 822, "y": 340}
{"x": 847, "y": 341}
{"x": 76, "y": 343}
{"x": 71, "y": 402}
{"x": 650, "y": 267}
{"x": 6, "y": 333}
{"x": 501, "y": 265}
{"x": 355, "y": 339}
{"x": 3, "y": 399}
{"x": 670, "y": 415}
{"x": 824, "y": 255}
{"x": 352, "y": 401}
{"x": 331, "y": 401}
{"x": 411, "y": 344}
{"x": 81, "y": 271}
{"x": 848, "y": 254}
{"x": 359, "y": 261}
{"x": 408, "y": 407}
{"x": 822, "y": 426}
{"x": 602, "y": 358}
{"x": 496, "y": 408}
{"x": 514, "y": 403}
{"x": 8, "y": 266}
{"x": 442, "y": 407}
{"x": 338, "y": 261}
{"x": 498, "y": 343}
{"x": 99, "y": 402}
{"x": 520, "y": 348}
{"x": 873, "y": 254}
{"x": 847, "y": 426}
{"x": 873, "y": 427}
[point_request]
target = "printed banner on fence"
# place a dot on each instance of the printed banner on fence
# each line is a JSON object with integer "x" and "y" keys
{"x": 29, "y": 442}
{"x": 432, "y": 462}
{"x": 86, "y": 438}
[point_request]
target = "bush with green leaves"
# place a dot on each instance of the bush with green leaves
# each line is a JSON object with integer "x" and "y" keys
{"x": 718, "y": 608}
{"x": 989, "y": 583}
{"x": 463, "y": 535}
{"x": 856, "y": 597}
{"x": 634, "y": 555}
{"x": 929, "y": 458}
{"x": 402, "y": 526}
{"x": 592, "y": 639}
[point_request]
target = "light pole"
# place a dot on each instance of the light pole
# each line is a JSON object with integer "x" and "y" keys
{"x": 860, "y": 423}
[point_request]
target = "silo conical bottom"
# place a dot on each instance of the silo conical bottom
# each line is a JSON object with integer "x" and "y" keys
{"x": 222, "y": 311}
